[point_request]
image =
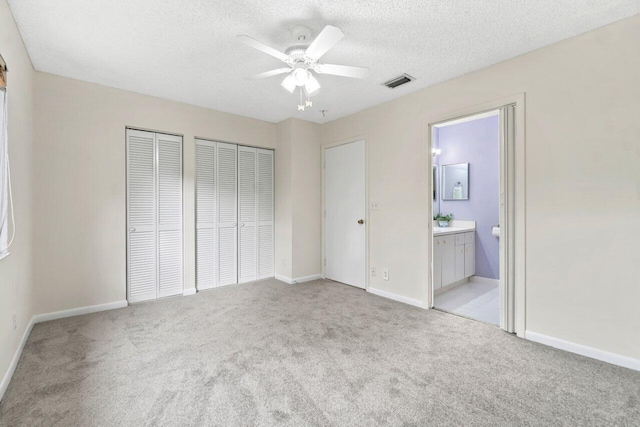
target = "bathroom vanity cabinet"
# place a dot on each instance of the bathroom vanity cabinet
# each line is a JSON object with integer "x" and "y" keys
{"x": 454, "y": 257}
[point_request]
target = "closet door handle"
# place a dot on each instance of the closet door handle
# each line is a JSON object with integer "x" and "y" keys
{"x": 132, "y": 229}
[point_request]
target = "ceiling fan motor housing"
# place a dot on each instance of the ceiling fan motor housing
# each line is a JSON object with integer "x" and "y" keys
{"x": 296, "y": 52}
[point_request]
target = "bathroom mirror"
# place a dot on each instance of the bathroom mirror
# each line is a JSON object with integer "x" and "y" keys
{"x": 455, "y": 181}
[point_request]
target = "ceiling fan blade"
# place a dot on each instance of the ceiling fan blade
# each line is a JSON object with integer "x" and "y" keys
{"x": 263, "y": 47}
{"x": 270, "y": 73}
{"x": 327, "y": 38}
{"x": 342, "y": 70}
{"x": 289, "y": 83}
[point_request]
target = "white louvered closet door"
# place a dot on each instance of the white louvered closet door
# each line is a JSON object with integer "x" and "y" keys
{"x": 141, "y": 216}
{"x": 169, "y": 214}
{"x": 247, "y": 215}
{"x": 206, "y": 246}
{"x": 227, "y": 215}
{"x": 154, "y": 215}
{"x": 265, "y": 214}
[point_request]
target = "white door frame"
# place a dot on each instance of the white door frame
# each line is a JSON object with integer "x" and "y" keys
{"x": 514, "y": 198}
{"x": 366, "y": 197}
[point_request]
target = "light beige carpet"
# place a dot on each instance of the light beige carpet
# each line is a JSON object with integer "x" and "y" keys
{"x": 318, "y": 353}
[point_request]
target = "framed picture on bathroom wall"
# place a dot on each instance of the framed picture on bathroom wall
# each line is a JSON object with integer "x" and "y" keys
{"x": 455, "y": 181}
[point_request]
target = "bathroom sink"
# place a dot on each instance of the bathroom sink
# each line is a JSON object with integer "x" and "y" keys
{"x": 452, "y": 230}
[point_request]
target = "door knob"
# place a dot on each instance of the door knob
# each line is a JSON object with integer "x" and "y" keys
{"x": 361, "y": 221}
{"x": 132, "y": 229}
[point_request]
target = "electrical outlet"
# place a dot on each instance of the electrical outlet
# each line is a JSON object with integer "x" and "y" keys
{"x": 374, "y": 206}
{"x": 15, "y": 322}
{"x": 373, "y": 272}
{"x": 385, "y": 274}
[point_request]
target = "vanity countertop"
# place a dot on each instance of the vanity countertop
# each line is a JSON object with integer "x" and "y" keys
{"x": 441, "y": 231}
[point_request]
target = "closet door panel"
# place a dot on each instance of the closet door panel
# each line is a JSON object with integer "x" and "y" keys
{"x": 265, "y": 243}
{"x": 227, "y": 215}
{"x": 206, "y": 252}
{"x": 141, "y": 216}
{"x": 265, "y": 214}
{"x": 247, "y": 215}
{"x": 170, "y": 262}
{"x": 170, "y": 215}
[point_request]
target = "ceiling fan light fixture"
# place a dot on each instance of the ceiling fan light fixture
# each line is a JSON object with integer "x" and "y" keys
{"x": 312, "y": 85}
{"x": 301, "y": 76}
{"x": 289, "y": 83}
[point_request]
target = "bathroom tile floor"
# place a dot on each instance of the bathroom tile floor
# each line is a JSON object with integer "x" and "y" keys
{"x": 475, "y": 300}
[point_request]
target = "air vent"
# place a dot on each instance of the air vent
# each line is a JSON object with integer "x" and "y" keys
{"x": 398, "y": 81}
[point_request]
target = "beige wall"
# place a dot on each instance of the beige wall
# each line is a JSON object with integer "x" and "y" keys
{"x": 307, "y": 200}
{"x": 283, "y": 202}
{"x": 16, "y": 269}
{"x": 298, "y": 199}
{"x": 80, "y": 183}
{"x": 582, "y": 157}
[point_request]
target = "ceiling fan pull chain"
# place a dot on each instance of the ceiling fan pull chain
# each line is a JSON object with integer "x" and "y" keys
{"x": 301, "y": 105}
{"x": 308, "y": 102}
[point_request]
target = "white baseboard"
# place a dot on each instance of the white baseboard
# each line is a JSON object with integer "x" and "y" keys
{"x": 303, "y": 279}
{"x": 78, "y": 311}
{"x": 307, "y": 278}
{"x": 16, "y": 357}
{"x": 284, "y": 279}
{"x": 395, "y": 297}
{"x": 486, "y": 280}
{"x": 583, "y": 350}
{"x": 189, "y": 291}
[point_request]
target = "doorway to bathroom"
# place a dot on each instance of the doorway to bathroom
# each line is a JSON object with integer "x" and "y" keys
{"x": 466, "y": 169}
{"x": 474, "y": 239}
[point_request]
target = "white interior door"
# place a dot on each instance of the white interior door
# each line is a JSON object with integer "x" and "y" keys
{"x": 169, "y": 214}
{"x": 227, "y": 220}
{"x": 141, "y": 216}
{"x": 247, "y": 215}
{"x": 507, "y": 219}
{"x": 234, "y": 214}
{"x": 154, "y": 215}
{"x": 266, "y": 266}
{"x": 345, "y": 209}
{"x": 206, "y": 243}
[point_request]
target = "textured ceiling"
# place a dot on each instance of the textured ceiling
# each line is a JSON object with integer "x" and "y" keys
{"x": 186, "y": 50}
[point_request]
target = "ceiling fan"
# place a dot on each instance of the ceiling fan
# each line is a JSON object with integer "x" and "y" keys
{"x": 302, "y": 61}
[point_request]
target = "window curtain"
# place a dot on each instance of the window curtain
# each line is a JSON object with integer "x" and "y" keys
{"x": 4, "y": 175}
